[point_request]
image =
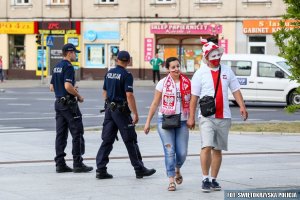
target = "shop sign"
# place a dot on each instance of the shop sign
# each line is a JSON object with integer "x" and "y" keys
{"x": 91, "y": 35}
{"x": 56, "y": 25}
{"x": 148, "y": 48}
{"x": 59, "y": 28}
{"x": 57, "y": 32}
{"x": 224, "y": 44}
{"x": 16, "y": 27}
{"x": 264, "y": 26}
{"x": 192, "y": 29}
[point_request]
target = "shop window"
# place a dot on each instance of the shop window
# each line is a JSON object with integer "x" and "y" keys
{"x": 114, "y": 50}
{"x": 188, "y": 50}
{"x": 257, "y": 45}
{"x": 95, "y": 56}
{"x": 17, "y": 56}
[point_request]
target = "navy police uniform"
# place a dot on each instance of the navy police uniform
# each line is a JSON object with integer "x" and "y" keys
{"x": 117, "y": 82}
{"x": 68, "y": 115}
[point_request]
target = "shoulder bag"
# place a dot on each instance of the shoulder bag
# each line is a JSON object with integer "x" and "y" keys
{"x": 207, "y": 103}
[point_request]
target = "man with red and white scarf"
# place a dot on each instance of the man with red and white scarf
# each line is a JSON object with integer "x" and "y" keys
{"x": 214, "y": 128}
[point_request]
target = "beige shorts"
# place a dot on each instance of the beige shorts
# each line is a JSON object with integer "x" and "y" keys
{"x": 214, "y": 132}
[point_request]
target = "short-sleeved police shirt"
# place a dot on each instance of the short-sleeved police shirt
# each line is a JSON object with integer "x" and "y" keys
{"x": 62, "y": 72}
{"x": 117, "y": 82}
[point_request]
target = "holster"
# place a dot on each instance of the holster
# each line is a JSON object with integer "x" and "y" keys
{"x": 122, "y": 107}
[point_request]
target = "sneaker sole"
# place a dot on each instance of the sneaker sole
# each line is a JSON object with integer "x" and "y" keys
{"x": 206, "y": 190}
{"x": 216, "y": 189}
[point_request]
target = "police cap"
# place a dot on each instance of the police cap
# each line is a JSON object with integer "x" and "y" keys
{"x": 123, "y": 56}
{"x": 69, "y": 47}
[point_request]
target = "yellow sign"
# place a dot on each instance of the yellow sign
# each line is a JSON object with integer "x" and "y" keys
{"x": 16, "y": 27}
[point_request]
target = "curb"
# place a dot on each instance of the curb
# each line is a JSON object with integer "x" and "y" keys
{"x": 99, "y": 129}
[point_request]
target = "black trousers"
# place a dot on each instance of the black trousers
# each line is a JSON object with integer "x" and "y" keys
{"x": 114, "y": 121}
{"x": 156, "y": 73}
{"x": 67, "y": 120}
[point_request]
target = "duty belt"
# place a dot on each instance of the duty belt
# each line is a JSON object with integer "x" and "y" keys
{"x": 122, "y": 107}
{"x": 113, "y": 106}
{"x": 61, "y": 100}
{"x": 66, "y": 100}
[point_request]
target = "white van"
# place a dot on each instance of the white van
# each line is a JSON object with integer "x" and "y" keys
{"x": 262, "y": 78}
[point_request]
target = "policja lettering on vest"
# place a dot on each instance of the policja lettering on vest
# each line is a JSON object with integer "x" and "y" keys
{"x": 119, "y": 104}
{"x": 113, "y": 76}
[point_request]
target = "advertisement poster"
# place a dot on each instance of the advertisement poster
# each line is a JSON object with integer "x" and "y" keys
{"x": 40, "y": 60}
{"x": 95, "y": 57}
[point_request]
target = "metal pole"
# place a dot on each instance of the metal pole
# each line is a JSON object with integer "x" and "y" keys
{"x": 42, "y": 59}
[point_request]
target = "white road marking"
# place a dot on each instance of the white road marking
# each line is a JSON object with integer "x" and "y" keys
{"x": 7, "y": 98}
{"x": 3, "y": 127}
{"x": 45, "y": 99}
{"x": 25, "y": 118}
{"x": 12, "y": 130}
{"x": 19, "y": 104}
{"x": 20, "y": 130}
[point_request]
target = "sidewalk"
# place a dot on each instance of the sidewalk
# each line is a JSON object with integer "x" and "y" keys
{"x": 81, "y": 84}
{"x": 252, "y": 162}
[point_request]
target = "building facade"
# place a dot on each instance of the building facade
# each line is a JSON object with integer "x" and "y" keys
{"x": 100, "y": 28}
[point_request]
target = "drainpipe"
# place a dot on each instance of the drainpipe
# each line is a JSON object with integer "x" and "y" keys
{"x": 70, "y": 10}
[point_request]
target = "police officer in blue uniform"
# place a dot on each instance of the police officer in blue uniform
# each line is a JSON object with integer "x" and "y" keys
{"x": 68, "y": 115}
{"x": 120, "y": 102}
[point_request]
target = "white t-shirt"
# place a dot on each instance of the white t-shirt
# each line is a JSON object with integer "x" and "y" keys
{"x": 159, "y": 87}
{"x": 203, "y": 84}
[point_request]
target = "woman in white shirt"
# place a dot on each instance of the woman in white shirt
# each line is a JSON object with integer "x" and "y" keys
{"x": 172, "y": 95}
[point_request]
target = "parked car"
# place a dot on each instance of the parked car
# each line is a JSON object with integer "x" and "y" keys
{"x": 263, "y": 78}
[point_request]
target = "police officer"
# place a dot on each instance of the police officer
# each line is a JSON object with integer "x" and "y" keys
{"x": 120, "y": 102}
{"x": 68, "y": 115}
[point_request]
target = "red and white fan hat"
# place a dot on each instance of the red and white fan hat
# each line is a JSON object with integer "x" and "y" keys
{"x": 209, "y": 47}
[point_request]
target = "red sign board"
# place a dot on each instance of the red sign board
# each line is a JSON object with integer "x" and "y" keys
{"x": 149, "y": 47}
{"x": 56, "y": 25}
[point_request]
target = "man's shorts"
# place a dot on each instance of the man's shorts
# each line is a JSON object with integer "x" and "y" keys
{"x": 214, "y": 132}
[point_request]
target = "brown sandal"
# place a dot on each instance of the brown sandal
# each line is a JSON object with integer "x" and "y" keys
{"x": 172, "y": 187}
{"x": 178, "y": 178}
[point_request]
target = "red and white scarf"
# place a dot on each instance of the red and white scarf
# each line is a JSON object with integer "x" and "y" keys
{"x": 168, "y": 101}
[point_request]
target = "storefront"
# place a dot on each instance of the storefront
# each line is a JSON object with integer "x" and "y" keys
{"x": 55, "y": 35}
{"x": 16, "y": 39}
{"x": 183, "y": 41}
{"x": 101, "y": 46}
{"x": 258, "y": 35}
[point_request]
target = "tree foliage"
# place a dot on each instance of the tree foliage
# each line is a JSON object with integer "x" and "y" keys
{"x": 288, "y": 41}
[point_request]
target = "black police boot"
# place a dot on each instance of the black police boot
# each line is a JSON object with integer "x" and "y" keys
{"x": 82, "y": 168}
{"x": 144, "y": 172}
{"x": 103, "y": 175}
{"x": 63, "y": 169}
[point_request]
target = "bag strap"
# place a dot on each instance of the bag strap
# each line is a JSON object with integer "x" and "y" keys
{"x": 218, "y": 82}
